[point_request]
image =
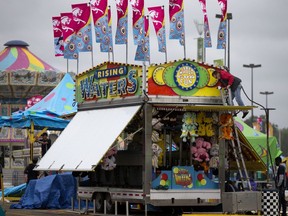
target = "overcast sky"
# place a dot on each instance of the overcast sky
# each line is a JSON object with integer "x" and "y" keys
{"x": 259, "y": 35}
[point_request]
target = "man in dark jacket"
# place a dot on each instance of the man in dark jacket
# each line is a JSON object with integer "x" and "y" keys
{"x": 281, "y": 183}
{"x": 45, "y": 143}
{"x": 227, "y": 80}
{"x": 29, "y": 172}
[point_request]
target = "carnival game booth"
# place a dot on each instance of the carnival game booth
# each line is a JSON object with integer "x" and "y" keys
{"x": 160, "y": 137}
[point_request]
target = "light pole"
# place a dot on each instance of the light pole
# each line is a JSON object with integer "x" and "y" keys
{"x": 252, "y": 66}
{"x": 266, "y": 93}
{"x": 229, "y": 17}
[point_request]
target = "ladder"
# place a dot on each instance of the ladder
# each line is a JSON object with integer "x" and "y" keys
{"x": 235, "y": 143}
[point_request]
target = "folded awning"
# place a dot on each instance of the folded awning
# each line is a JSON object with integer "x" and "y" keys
{"x": 86, "y": 139}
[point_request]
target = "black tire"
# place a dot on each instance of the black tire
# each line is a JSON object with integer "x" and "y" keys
{"x": 110, "y": 205}
{"x": 99, "y": 202}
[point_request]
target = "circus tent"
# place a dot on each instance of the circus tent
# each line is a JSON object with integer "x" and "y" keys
{"x": 23, "y": 74}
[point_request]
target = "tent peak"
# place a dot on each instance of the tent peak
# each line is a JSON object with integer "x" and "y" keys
{"x": 18, "y": 43}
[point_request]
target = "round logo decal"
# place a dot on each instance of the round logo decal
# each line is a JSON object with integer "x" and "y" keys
{"x": 186, "y": 76}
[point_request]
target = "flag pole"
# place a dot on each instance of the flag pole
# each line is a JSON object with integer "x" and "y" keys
{"x": 78, "y": 65}
{"x": 184, "y": 44}
{"x": 127, "y": 42}
{"x": 67, "y": 65}
{"x": 166, "y": 55}
{"x": 92, "y": 53}
{"x": 92, "y": 22}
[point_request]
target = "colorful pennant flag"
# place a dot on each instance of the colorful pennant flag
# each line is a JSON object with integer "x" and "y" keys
{"x": 221, "y": 42}
{"x": 223, "y": 6}
{"x": 207, "y": 35}
{"x": 70, "y": 48}
{"x": 99, "y": 8}
{"x": 106, "y": 44}
{"x": 137, "y": 20}
{"x": 81, "y": 16}
{"x": 58, "y": 36}
{"x": 157, "y": 15}
{"x": 143, "y": 49}
{"x": 122, "y": 21}
{"x": 176, "y": 15}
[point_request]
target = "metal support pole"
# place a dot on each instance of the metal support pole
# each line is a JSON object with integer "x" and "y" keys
{"x": 267, "y": 142}
{"x": 252, "y": 66}
{"x": 105, "y": 204}
{"x": 127, "y": 208}
{"x": 228, "y": 50}
{"x": 2, "y": 183}
{"x": 116, "y": 208}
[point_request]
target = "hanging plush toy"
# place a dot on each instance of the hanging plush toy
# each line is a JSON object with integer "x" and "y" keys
{"x": 226, "y": 122}
{"x": 200, "y": 150}
{"x": 156, "y": 151}
{"x": 189, "y": 126}
{"x": 108, "y": 161}
{"x": 209, "y": 130}
{"x": 214, "y": 154}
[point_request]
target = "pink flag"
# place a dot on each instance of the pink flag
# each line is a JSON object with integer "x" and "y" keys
{"x": 207, "y": 35}
{"x": 176, "y": 14}
{"x": 70, "y": 48}
{"x": 223, "y": 6}
{"x": 137, "y": 20}
{"x": 99, "y": 10}
{"x": 157, "y": 15}
{"x": 121, "y": 32}
{"x": 58, "y": 36}
{"x": 81, "y": 16}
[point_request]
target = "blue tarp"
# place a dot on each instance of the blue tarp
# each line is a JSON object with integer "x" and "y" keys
{"x": 14, "y": 191}
{"x": 51, "y": 192}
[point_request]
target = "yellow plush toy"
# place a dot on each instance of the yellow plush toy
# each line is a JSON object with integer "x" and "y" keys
{"x": 209, "y": 130}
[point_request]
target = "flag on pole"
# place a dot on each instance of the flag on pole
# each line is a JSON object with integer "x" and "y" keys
{"x": 176, "y": 15}
{"x": 58, "y": 36}
{"x": 157, "y": 15}
{"x": 122, "y": 21}
{"x": 143, "y": 49}
{"x": 99, "y": 8}
{"x": 223, "y": 6}
{"x": 106, "y": 44}
{"x": 70, "y": 48}
{"x": 81, "y": 16}
{"x": 221, "y": 42}
{"x": 137, "y": 20}
{"x": 207, "y": 35}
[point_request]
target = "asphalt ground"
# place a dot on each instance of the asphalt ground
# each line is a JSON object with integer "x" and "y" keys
{"x": 34, "y": 212}
{"x": 60, "y": 212}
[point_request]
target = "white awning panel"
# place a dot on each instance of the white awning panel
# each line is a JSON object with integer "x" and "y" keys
{"x": 86, "y": 139}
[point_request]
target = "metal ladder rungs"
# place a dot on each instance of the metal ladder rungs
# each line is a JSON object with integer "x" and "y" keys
{"x": 227, "y": 100}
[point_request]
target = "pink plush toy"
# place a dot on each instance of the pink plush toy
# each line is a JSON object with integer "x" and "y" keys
{"x": 200, "y": 150}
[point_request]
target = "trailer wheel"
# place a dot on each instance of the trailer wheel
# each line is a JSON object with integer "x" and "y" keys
{"x": 99, "y": 202}
{"x": 110, "y": 205}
